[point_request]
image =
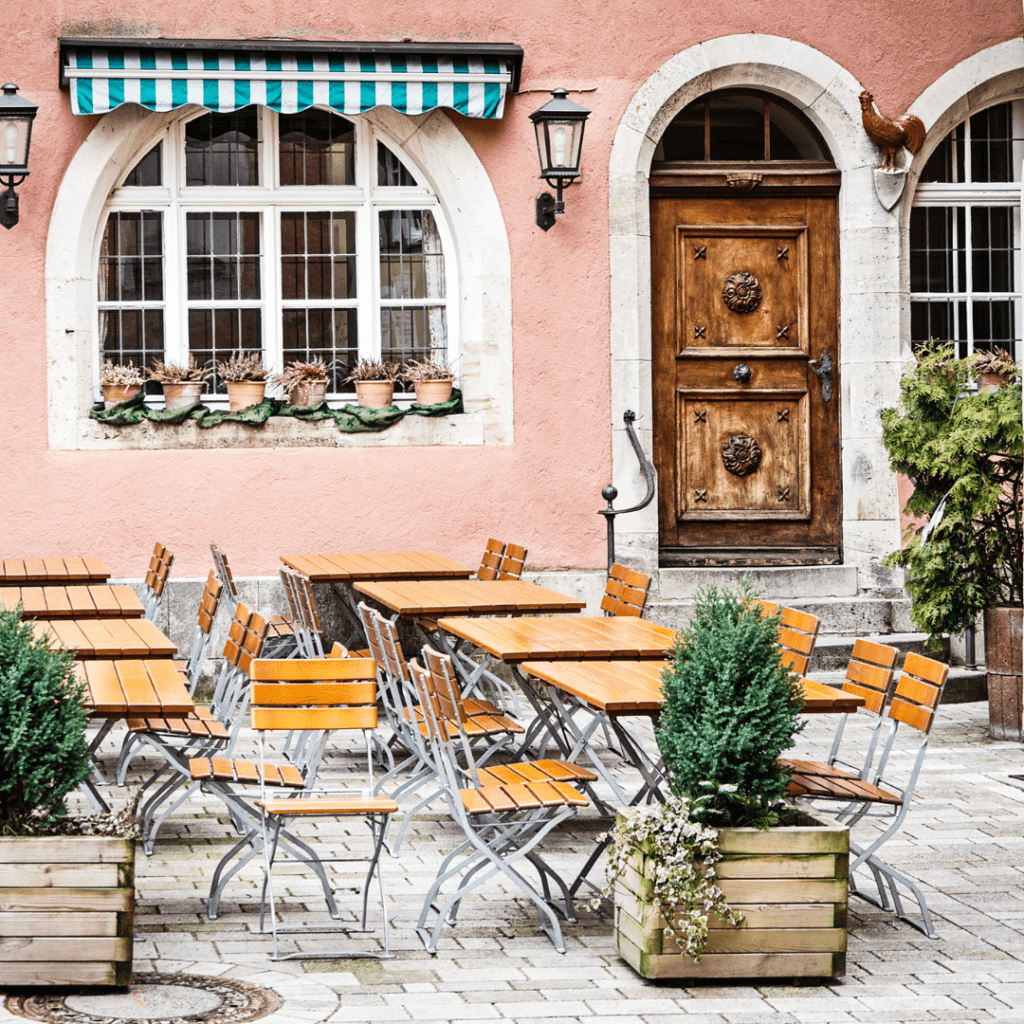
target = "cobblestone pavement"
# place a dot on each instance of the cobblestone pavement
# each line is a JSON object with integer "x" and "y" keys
{"x": 964, "y": 840}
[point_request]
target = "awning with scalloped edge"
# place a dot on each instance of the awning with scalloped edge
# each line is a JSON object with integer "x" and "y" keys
{"x": 350, "y": 78}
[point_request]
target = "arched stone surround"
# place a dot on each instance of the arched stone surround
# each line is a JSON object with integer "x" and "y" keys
{"x": 434, "y": 145}
{"x": 874, "y": 307}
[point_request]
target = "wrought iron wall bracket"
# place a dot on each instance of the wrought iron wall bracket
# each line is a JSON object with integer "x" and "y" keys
{"x": 610, "y": 493}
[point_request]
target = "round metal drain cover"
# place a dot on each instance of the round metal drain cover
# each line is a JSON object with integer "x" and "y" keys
{"x": 155, "y": 999}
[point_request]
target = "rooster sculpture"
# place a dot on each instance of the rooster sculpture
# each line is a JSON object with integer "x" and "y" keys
{"x": 889, "y": 135}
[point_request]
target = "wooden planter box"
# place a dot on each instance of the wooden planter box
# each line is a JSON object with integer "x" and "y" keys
{"x": 67, "y": 907}
{"x": 791, "y": 885}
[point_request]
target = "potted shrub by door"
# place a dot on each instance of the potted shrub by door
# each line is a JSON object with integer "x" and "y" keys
{"x": 305, "y": 383}
{"x": 245, "y": 375}
{"x": 433, "y": 380}
{"x": 183, "y": 385}
{"x": 375, "y": 382}
{"x": 120, "y": 381}
{"x": 68, "y": 897}
{"x": 725, "y": 880}
{"x": 964, "y": 453}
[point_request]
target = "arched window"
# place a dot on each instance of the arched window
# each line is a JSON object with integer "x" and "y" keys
{"x": 965, "y": 235}
{"x": 299, "y": 235}
{"x": 741, "y": 126}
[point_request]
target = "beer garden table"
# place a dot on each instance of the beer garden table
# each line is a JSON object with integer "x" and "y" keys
{"x": 20, "y": 571}
{"x": 107, "y": 638}
{"x": 73, "y": 602}
{"x": 345, "y": 569}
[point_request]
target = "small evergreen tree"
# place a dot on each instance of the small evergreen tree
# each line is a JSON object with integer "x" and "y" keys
{"x": 730, "y": 710}
{"x": 43, "y": 751}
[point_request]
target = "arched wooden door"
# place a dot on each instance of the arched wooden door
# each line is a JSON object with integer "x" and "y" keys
{"x": 746, "y": 363}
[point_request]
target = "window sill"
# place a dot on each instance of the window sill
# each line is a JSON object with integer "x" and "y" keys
{"x": 282, "y": 432}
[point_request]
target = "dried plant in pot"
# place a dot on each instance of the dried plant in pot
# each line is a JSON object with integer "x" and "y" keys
{"x": 994, "y": 369}
{"x": 120, "y": 381}
{"x": 68, "y": 882}
{"x": 725, "y": 880}
{"x": 183, "y": 385}
{"x": 433, "y": 379}
{"x": 305, "y": 383}
{"x": 375, "y": 382}
{"x": 245, "y": 375}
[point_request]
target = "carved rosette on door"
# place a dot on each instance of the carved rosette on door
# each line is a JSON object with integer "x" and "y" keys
{"x": 742, "y": 374}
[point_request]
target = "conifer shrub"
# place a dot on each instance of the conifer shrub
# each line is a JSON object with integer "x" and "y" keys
{"x": 731, "y": 709}
{"x": 43, "y": 750}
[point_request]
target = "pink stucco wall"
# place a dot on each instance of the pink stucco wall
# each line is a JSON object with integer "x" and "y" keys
{"x": 545, "y": 488}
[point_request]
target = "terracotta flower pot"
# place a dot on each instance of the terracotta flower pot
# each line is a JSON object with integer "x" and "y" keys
{"x": 1004, "y": 639}
{"x": 177, "y": 396}
{"x": 430, "y": 392}
{"x": 308, "y": 393}
{"x": 992, "y": 380}
{"x": 375, "y": 394}
{"x": 113, "y": 394}
{"x": 244, "y": 393}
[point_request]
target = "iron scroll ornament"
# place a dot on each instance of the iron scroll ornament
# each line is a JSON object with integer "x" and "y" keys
{"x": 822, "y": 369}
{"x": 742, "y": 292}
{"x": 741, "y": 455}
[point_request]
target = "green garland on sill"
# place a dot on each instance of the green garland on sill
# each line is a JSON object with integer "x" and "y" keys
{"x": 350, "y": 419}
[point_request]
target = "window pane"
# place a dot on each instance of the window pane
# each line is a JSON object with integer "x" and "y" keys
{"x": 791, "y": 136}
{"x": 992, "y": 254}
{"x": 318, "y": 258}
{"x": 223, "y": 149}
{"x": 737, "y": 128}
{"x": 131, "y": 258}
{"x": 937, "y": 249}
{"x": 946, "y": 164}
{"x": 148, "y": 171}
{"x": 418, "y": 332}
{"x": 940, "y": 320}
{"x": 214, "y": 334}
{"x": 223, "y": 254}
{"x": 132, "y": 335}
{"x": 316, "y": 148}
{"x": 411, "y": 261}
{"x": 991, "y": 144}
{"x": 324, "y": 333}
{"x": 391, "y": 170}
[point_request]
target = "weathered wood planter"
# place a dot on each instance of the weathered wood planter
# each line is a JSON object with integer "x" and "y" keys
{"x": 67, "y": 906}
{"x": 791, "y": 885}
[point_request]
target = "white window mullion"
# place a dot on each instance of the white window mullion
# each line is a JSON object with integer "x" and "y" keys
{"x": 272, "y": 341}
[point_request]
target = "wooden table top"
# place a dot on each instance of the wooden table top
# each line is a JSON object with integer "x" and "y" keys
{"x": 107, "y": 638}
{"x": 467, "y": 597}
{"x": 16, "y": 572}
{"x": 377, "y": 565}
{"x": 118, "y": 689}
{"x": 634, "y": 687}
{"x": 518, "y": 640}
{"x": 75, "y": 602}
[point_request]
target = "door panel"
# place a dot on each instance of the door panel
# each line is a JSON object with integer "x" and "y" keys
{"x": 747, "y": 447}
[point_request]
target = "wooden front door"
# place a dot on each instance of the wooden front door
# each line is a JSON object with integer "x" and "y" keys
{"x": 746, "y": 431}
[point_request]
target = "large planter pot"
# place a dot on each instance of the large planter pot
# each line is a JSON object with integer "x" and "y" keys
{"x": 177, "y": 396}
{"x": 375, "y": 394}
{"x": 791, "y": 885}
{"x": 309, "y": 393}
{"x": 67, "y": 910}
{"x": 243, "y": 393}
{"x": 114, "y": 394}
{"x": 1004, "y": 638}
{"x": 430, "y": 392}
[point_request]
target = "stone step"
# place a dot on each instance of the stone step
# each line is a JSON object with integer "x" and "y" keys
{"x": 842, "y": 616}
{"x": 831, "y": 653}
{"x": 813, "y": 581}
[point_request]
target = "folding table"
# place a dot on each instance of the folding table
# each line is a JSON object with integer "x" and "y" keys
{"x": 19, "y": 571}
{"x": 107, "y": 638}
{"x": 73, "y": 602}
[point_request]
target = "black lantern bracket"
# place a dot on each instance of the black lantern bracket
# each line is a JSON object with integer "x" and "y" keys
{"x": 559, "y": 126}
{"x": 16, "y": 116}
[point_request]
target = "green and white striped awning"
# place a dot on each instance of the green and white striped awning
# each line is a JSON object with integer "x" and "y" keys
{"x": 350, "y": 78}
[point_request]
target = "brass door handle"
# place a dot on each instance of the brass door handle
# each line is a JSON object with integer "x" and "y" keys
{"x": 822, "y": 369}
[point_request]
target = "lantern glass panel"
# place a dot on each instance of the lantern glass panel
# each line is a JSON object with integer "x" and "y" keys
{"x": 14, "y": 132}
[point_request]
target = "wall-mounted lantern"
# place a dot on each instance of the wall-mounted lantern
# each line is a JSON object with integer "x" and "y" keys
{"x": 559, "y": 126}
{"x": 16, "y": 116}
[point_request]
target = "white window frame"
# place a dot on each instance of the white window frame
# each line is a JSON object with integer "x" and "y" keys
{"x": 967, "y": 195}
{"x": 173, "y": 199}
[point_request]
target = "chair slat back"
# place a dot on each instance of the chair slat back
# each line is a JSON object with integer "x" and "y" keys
{"x": 442, "y": 731}
{"x": 490, "y": 561}
{"x": 512, "y": 562}
{"x": 918, "y": 692}
{"x": 236, "y": 632}
{"x": 448, "y": 702}
{"x": 869, "y": 673}
{"x": 798, "y": 634}
{"x": 223, "y": 569}
{"x": 159, "y": 569}
{"x": 313, "y": 693}
{"x": 625, "y": 592}
{"x": 209, "y": 601}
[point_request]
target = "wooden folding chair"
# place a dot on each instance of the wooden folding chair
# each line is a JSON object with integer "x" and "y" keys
{"x": 504, "y": 814}
{"x": 513, "y": 562}
{"x": 625, "y": 592}
{"x": 881, "y": 794}
{"x": 490, "y": 561}
{"x": 305, "y": 618}
{"x": 156, "y": 579}
{"x": 318, "y": 696}
{"x": 798, "y": 635}
{"x": 208, "y": 604}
